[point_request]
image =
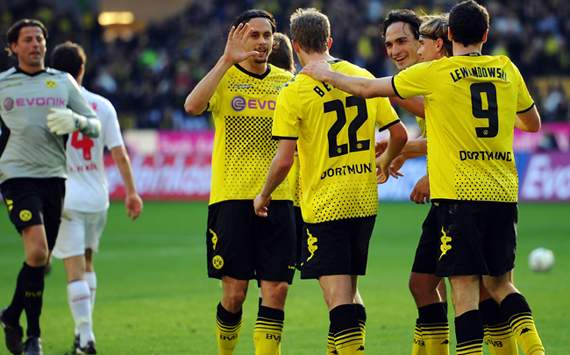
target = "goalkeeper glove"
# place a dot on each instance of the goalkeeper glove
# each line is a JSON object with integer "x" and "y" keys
{"x": 64, "y": 121}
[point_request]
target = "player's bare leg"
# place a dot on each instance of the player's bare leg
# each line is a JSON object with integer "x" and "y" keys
{"x": 339, "y": 292}
{"x": 431, "y": 335}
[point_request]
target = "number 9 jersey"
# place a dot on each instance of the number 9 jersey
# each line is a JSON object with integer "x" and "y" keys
{"x": 471, "y": 103}
{"x": 335, "y": 141}
{"x": 86, "y": 183}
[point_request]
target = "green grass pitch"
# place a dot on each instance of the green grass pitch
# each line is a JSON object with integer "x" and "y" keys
{"x": 154, "y": 296}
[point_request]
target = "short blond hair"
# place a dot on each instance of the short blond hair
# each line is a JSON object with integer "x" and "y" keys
{"x": 434, "y": 27}
{"x": 311, "y": 29}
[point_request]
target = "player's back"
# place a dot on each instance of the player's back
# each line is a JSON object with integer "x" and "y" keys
{"x": 335, "y": 143}
{"x": 471, "y": 105}
{"x": 87, "y": 184}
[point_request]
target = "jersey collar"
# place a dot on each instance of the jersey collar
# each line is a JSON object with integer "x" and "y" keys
{"x": 18, "y": 70}
{"x": 257, "y": 76}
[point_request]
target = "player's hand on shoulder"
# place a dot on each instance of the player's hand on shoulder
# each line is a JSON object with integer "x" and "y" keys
{"x": 260, "y": 205}
{"x": 420, "y": 193}
{"x": 318, "y": 70}
{"x": 235, "y": 51}
{"x": 133, "y": 205}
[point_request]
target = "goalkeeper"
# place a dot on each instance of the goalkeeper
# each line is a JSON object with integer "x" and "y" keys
{"x": 39, "y": 108}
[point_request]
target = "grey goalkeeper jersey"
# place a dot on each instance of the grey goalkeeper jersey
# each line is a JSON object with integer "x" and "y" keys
{"x": 27, "y": 147}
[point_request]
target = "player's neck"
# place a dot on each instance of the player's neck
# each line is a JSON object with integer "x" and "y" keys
{"x": 31, "y": 69}
{"x": 460, "y": 49}
{"x": 253, "y": 67}
{"x": 306, "y": 58}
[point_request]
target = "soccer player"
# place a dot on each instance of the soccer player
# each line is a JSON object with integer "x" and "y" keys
{"x": 87, "y": 198}
{"x": 404, "y": 46}
{"x": 40, "y": 107}
{"x": 334, "y": 134}
{"x": 241, "y": 92}
{"x": 473, "y": 178}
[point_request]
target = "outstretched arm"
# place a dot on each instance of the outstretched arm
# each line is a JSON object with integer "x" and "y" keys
{"x": 197, "y": 101}
{"x": 361, "y": 87}
{"x": 133, "y": 202}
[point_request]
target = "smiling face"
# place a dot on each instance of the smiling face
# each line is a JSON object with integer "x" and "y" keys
{"x": 30, "y": 48}
{"x": 260, "y": 39}
{"x": 401, "y": 45}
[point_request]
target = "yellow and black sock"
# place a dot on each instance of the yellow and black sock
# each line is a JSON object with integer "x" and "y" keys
{"x": 268, "y": 330}
{"x": 227, "y": 330}
{"x": 331, "y": 348}
{"x": 348, "y": 337}
{"x": 515, "y": 308}
{"x": 434, "y": 327}
{"x": 497, "y": 334}
{"x": 361, "y": 319}
{"x": 469, "y": 333}
{"x": 418, "y": 344}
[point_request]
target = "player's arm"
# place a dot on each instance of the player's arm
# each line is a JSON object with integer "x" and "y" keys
{"x": 414, "y": 105}
{"x": 278, "y": 171}
{"x": 413, "y": 149}
{"x": 133, "y": 202}
{"x": 78, "y": 116}
{"x": 361, "y": 87}
{"x": 529, "y": 120}
{"x": 197, "y": 101}
{"x": 397, "y": 141}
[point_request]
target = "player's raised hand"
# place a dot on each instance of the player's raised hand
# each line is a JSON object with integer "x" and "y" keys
{"x": 318, "y": 70}
{"x": 260, "y": 205}
{"x": 235, "y": 50}
{"x": 420, "y": 193}
{"x": 133, "y": 205}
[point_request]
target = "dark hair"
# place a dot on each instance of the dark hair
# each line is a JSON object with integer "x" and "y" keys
{"x": 247, "y": 15}
{"x": 13, "y": 32}
{"x": 282, "y": 54}
{"x": 468, "y": 22}
{"x": 311, "y": 29}
{"x": 406, "y": 16}
{"x": 68, "y": 57}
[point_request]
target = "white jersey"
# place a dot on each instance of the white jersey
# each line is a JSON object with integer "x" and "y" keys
{"x": 86, "y": 185}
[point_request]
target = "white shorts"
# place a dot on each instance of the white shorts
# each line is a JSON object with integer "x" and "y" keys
{"x": 79, "y": 231}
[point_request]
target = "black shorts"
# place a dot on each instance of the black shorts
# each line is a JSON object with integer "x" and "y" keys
{"x": 337, "y": 247}
{"x": 428, "y": 251}
{"x": 476, "y": 238}
{"x": 244, "y": 246}
{"x": 33, "y": 201}
{"x": 300, "y": 236}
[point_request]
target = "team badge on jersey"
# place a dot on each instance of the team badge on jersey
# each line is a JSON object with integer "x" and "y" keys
{"x": 50, "y": 84}
{"x": 217, "y": 262}
{"x": 25, "y": 215}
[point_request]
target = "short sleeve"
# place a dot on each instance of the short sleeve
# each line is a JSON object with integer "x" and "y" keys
{"x": 524, "y": 100}
{"x": 413, "y": 81}
{"x": 113, "y": 136}
{"x": 386, "y": 115}
{"x": 287, "y": 114}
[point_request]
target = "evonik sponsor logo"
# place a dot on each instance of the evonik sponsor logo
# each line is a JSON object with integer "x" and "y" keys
{"x": 53, "y": 101}
{"x": 239, "y": 103}
{"x": 547, "y": 178}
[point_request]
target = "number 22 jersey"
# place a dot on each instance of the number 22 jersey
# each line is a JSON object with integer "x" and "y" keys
{"x": 335, "y": 141}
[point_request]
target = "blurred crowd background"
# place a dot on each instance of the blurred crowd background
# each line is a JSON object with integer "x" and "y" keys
{"x": 148, "y": 73}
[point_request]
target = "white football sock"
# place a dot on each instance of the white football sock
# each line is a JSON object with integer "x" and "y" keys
{"x": 79, "y": 299}
{"x": 91, "y": 279}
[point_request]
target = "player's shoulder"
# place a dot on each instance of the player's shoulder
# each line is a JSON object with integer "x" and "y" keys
{"x": 58, "y": 73}
{"x": 348, "y": 68}
{"x": 96, "y": 100}
{"x": 276, "y": 72}
{"x": 6, "y": 73}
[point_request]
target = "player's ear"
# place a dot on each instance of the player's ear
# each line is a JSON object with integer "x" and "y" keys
{"x": 485, "y": 36}
{"x": 439, "y": 44}
{"x": 329, "y": 42}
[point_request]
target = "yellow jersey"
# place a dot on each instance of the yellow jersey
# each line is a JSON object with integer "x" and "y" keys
{"x": 242, "y": 109}
{"x": 335, "y": 142}
{"x": 471, "y": 103}
{"x": 295, "y": 182}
